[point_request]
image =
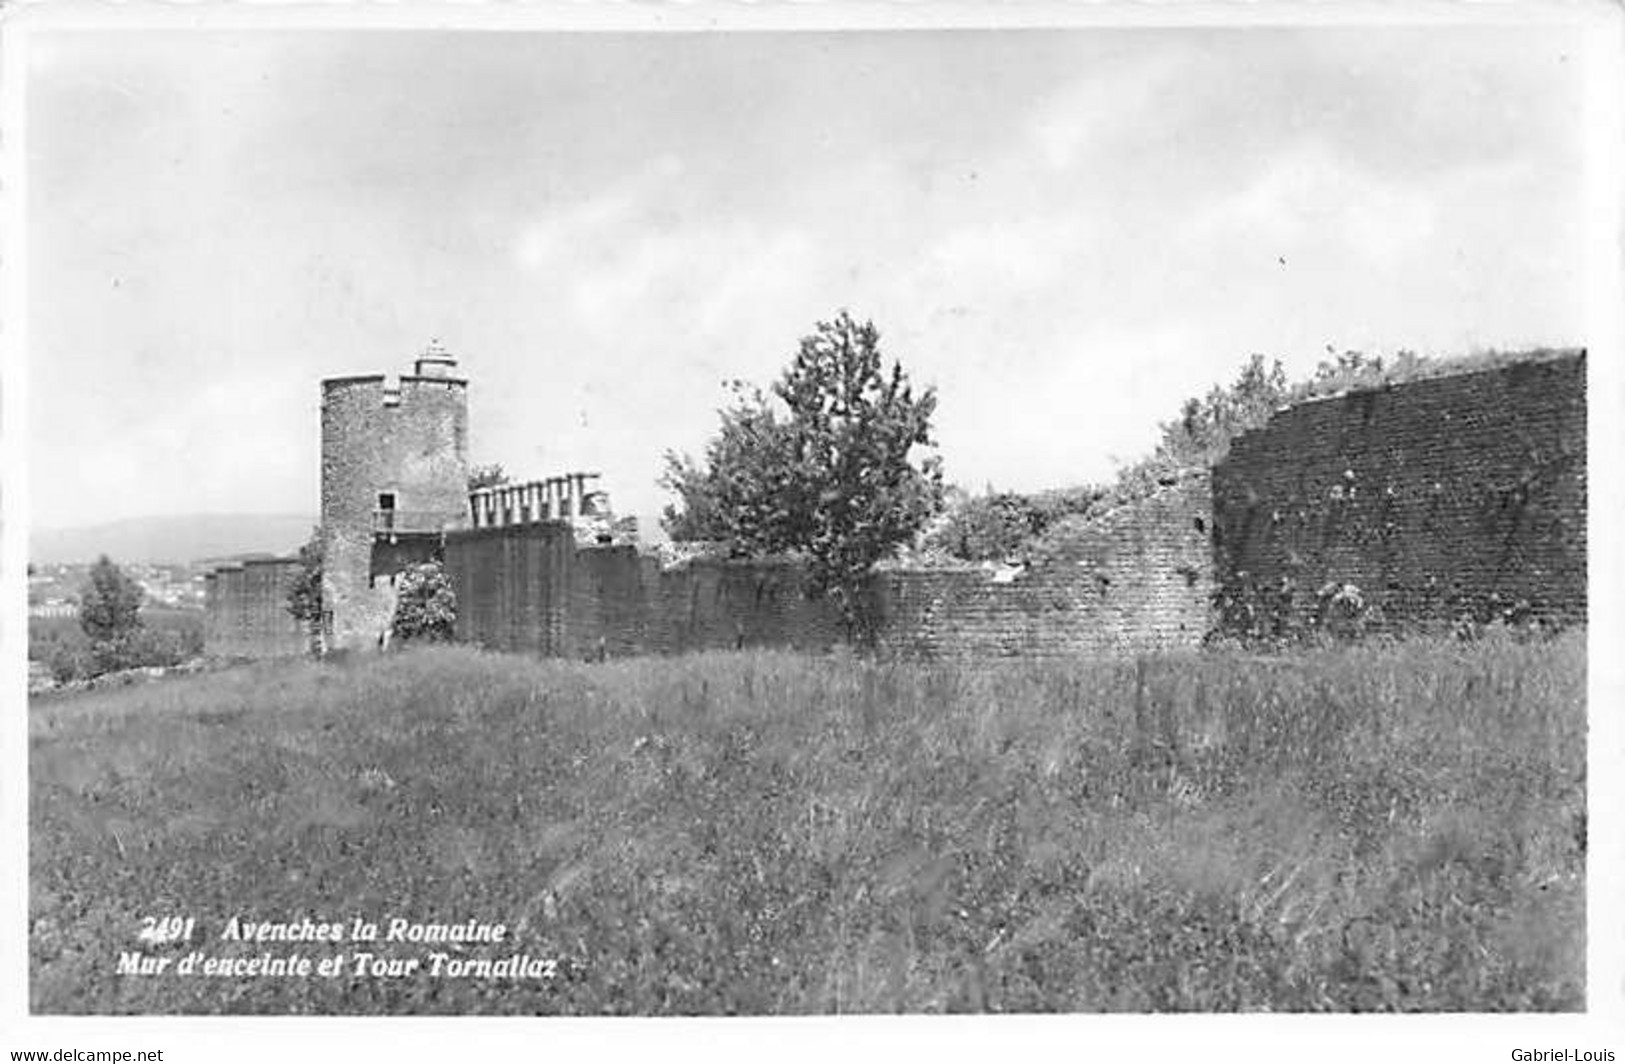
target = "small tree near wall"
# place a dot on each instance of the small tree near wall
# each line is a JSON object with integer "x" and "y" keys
{"x": 110, "y": 615}
{"x": 835, "y": 464}
{"x": 425, "y": 606}
{"x": 305, "y": 590}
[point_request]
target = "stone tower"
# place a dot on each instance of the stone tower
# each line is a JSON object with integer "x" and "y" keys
{"x": 394, "y": 478}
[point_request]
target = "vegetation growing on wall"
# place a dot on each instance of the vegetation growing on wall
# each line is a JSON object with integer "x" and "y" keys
{"x": 996, "y": 525}
{"x": 491, "y": 475}
{"x": 1003, "y": 525}
{"x": 305, "y": 591}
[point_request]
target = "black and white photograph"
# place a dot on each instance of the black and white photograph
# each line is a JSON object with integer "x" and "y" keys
{"x": 1067, "y": 515}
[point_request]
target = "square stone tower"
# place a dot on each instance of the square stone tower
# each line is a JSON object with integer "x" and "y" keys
{"x": 394, "y": 479}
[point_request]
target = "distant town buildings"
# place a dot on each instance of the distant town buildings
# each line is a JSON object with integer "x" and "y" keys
{"x": 53, "y": 589}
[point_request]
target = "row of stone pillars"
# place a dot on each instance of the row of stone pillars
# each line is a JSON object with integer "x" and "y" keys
{"x": 554, "y": 499}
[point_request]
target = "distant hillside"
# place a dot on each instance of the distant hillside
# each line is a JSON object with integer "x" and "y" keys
{"x": 176, "y": 539}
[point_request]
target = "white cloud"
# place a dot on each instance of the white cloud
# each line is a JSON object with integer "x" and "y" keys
{"x": 1095, "y": 403}
{"x": 635, "y": 275}
{"x": 752, "y": 272}
{"x": 561, "y": 234}
{"x": 986, "y": 261}
{"x": 1100, "y": 105}
{"x": 1307, "y": 196}
{"x": 1095, "y": 238}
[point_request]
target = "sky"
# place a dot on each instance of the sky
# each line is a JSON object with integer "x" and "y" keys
{"x": 1065, "y": 232}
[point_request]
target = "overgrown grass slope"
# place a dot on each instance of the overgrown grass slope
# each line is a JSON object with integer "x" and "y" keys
{"x": 1379, "y": 828}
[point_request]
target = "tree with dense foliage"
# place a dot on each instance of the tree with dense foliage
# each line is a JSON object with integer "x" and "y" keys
{"x": 991, "y": 527}
{"x": 305, "y": 589}
{"x": 425, "y": 605}
{"x": 109, "y": 603}
{"x": 999, "y": 526}
{"x": 824, "y": 466}
{"x": 110, "y": 615}
{"x": 692, "y": 517}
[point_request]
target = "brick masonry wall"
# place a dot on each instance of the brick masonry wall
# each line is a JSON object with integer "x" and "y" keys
{"x": 1461, "y": 495}
{"x": 1457, "y": 496}
{"x": 512, "y": 585}
{"x": 718, "y": 604}
{"x": 416, "y": 448}
{"x": 531, "y": 588}
{"x": 1135, "y": 579}
{"x": 245, "y": 610}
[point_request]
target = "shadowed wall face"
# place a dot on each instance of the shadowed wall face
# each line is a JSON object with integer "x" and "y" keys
{"x": 511, "y": 584}
{"x": 531, "y": 588}
{"x": 246, "y": 610}
{"x": 1440, "y": 499}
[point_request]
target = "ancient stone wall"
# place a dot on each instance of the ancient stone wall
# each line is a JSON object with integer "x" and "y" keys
{"x": 512, "y": 585}
{"x": 531, "y": 588}
{"x": 246, "y": 610}
{"x": 713, "y": 603}
{"x": 1135, "y": 579}
{"x": 1407, "y": 506}
{"x": 1461, "y": 496}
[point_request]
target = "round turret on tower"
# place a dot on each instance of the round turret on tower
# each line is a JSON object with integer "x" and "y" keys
{"x": 394, "y": 478}
{"x": 435, "y": 361}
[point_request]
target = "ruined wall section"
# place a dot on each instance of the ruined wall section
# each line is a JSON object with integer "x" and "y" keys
{"x": 1135, "y": 579}
{"x": 410, "y": 441}
{"x": 1461, "y": 496}
{"x": 246, "y": 610}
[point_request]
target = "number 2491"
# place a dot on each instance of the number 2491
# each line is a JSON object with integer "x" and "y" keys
{"x": 157, "y": 929}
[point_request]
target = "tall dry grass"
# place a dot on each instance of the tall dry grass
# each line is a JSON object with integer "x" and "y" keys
{"x": 1397, "y": 827}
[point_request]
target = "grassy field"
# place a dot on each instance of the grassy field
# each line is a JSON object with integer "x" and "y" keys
{"x": 1376, "y": 828}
